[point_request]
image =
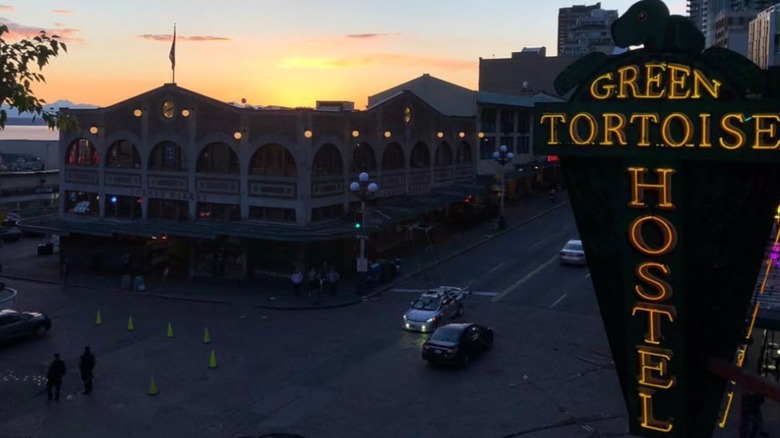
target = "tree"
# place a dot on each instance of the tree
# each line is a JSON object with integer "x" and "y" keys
{"x": 17, "y": 75}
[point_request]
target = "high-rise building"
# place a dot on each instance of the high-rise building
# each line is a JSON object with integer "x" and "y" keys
{"x": 590, "y": 33}
{"x": 764, "y": 38}
{"x": 731, "y": 30}
{"x": 704, "y": 13}
{"x": 567, "y": 19}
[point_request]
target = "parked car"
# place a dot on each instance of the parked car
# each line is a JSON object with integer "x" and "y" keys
{"x": 573, "y": 254}
{"x": 10, "y": 234}
{"x": 457, "y": 343}
{"x": 434, "y": 307}
{"x": 15, "y": 324}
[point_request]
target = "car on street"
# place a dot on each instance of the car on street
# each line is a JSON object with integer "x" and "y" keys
{"x": 457, "y": 343}
{"x": 15, "y": 324}
{"x": 434, "y": 307}
{"x": 572, "y": 253}
{"x": 10, "y": 234}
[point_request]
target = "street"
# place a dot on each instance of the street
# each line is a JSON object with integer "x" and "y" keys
{"x": 345, "y": 372}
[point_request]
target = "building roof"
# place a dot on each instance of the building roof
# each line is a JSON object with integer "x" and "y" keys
{"x": 490, "y": 98}
{"x": 448, "y": 98}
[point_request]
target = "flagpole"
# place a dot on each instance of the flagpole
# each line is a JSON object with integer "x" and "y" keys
{"x": 172, "y": 56}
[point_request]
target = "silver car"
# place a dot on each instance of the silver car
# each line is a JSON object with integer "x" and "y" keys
{"x": 434, "y": 307}
{"x": 573, "y": 254}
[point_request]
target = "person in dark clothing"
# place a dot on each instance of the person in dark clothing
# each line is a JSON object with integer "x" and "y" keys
{"x": 54, "y": 377}
{"x": 86, "y": 365}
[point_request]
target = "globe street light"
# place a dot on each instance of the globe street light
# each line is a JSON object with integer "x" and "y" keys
{"x": 363, "y": 190}
{"x": 502, "y": 157}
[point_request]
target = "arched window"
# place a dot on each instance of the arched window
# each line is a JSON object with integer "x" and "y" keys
{"x": 363, "y": 159}
{"x": 443, "y": 155}
{"x": 123, "y": 154}
{"x": 327, "y": 161}
{"x": 393, "y": 158}
{"x": 274, "y": 160}
{"x": 421, "y": 157}
{"x": 82, "y": 153}
{"x": 217, "y": 158}
{"x": 464, "y": 153}
{"x": 167, "y": 156}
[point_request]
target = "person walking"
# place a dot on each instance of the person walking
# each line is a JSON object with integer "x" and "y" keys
{"x": 297, "y": 279}
{"x": 54, "y": 377}
{"x": 86, "y": 366}
{"x": 332, "y": 277}
{"x": 64, "y": 273}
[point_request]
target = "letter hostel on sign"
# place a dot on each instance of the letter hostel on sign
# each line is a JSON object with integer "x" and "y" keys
{"x": 671, "y": 154}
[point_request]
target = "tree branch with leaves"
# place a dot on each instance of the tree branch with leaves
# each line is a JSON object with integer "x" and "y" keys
{"x": 18, "y": 62}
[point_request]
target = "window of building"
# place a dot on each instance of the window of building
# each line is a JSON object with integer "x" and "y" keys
{"x": 218, "y": 212}
{"x": 487, "y": 120}
{"x": 393, "y": 157}
{"x": 507, "y": 121}
{"x": 125, "y": 207}
{"x": 363, "y": 159}
{"x": 82, "y": 153}
{"x": 218, "y": 158}
{"x": 523, "y": 145}
{"x": 123, "y": 154}
{"x": 443, "y": 155}
{"x": 523, "y": 122}
{"x": 82, "y": 203}
{"x": 328, "y": 161}
{"x": 168, "y": 209}
{"x": 327, "y": 212}
{"x": 272, "y": 214}
{"x": 273, "y": 160}
{"x": 486, "y": 148}
{"x": 421, "y": 157}
{"x": 167, "y": 156}
{"x": 509, "y": 142}
{"x": 464, "y": 153}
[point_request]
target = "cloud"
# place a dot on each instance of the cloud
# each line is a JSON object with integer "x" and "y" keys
{"x": 377, "y": 59}
{"x": 169, "y": 37}
{"x": 367, "y": 36}
{"x": 18, "y": 31}
{"x": 8, "y": 8}
{"x": 61, "y": 11}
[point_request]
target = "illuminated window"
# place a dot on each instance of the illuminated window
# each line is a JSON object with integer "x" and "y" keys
{"x": 82, "y": 153}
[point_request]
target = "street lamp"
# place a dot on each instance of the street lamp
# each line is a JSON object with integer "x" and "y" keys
{"x": 502, "y": 157}
{"x": 363, "y": 190}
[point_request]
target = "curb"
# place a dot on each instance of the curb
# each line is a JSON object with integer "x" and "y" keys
{"x": 357, "y": 300}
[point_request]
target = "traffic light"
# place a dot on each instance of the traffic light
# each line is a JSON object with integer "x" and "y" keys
{"x": 358, "y": 224}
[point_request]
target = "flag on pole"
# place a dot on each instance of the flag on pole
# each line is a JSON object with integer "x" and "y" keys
{"x": 172, "y": 55}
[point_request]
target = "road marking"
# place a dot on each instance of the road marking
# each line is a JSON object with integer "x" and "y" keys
{"x": 566, "y": 227}
{"x": 588, "y": 276}
{"x": 537, "y": 243}
{"x": 558, "y": 301}
{"x": 519, "y": 282}
{"x": 496, "y": 267}
{"x": 419, "y": 291}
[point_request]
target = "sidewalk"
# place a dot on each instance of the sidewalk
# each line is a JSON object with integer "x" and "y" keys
{"x": 271, "y": 291}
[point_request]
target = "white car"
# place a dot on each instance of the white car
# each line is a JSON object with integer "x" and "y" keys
{"x": 434, "y": 307}
{"x": 573, "y": 254}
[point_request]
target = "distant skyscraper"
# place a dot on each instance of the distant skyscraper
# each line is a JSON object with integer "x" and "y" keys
{"x": 585, "y": 29}
{"x": 704, "y": 13}
{"x": 567, "y": 18}
{"x": 764, "y": 38}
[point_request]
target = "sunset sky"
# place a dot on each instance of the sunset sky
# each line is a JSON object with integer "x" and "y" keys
{"x": 278, "y": 52}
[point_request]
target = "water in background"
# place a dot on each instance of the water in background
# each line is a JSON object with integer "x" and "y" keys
{"x": 29, "y": 132}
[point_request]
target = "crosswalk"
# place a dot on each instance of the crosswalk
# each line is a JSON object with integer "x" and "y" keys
{"x": 419, "y": 291}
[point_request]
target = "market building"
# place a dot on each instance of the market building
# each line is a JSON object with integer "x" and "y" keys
{"x": 175, "y": 179}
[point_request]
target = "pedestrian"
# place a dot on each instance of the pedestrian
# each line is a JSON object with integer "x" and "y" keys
{"x": 54, "y": 377}
{"x": 64, "y": 273}
{"x": 332, "y": 277}
{"x": 86, "y": 366}
{"x": 313, "y": 279}
{"x": 297, "y": 279}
